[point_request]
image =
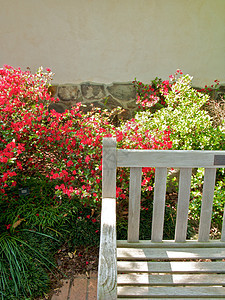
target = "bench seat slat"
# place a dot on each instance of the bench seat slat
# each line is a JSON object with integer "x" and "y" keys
{"x": 168, "y": 279}
{"x": 171, "y": 244}
{"x": 170, "y": 267}
{"x": 194, "y": 292}
{"x": 160, "y": 298}
{"x": 169, "y": 253}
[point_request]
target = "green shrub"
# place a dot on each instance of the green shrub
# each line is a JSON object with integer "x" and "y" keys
{"x": 191, "y": 126}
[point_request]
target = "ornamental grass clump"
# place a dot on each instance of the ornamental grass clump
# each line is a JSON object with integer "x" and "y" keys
{"x": 23, "y": 264}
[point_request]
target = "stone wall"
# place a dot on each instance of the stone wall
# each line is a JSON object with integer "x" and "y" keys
{"x": 105, "y": 96}
{"x": 100, "y": 95}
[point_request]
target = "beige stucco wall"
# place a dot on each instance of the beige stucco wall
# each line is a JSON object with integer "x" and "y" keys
{"x": 115, "y": 40}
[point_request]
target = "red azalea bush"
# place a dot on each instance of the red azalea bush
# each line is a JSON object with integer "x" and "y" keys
{"x": 65, "y": 148}
{"x": 23, "y": 101}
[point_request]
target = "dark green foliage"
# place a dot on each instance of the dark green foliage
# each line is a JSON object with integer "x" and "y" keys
{"x": 25, "y": 259}
{"x": 84, "y": 227}
{"x": 146, "y": 222}
{"x": 39, "y": 208}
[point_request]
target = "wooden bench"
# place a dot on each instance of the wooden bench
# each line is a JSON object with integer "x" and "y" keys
{"x": 159, "y": 269}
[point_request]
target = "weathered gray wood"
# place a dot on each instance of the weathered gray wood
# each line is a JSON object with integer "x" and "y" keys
{"x": 134, "y": 204}
{"x": 181, "y": 267}
{"x": 163, "y": 298}
{"x": 135, "y": 279}
{"x": 177, "y": 271}
{"x": 171, "y": 244}
{"x": 223, "y": 227}
{"x": 167, "y": 158}
{"x": 191, "y": 292}
{"x": 143, "y": 254}
{"x": 183, "y": 204}
{"x": 207, "y": 202}
{"x": 109, "y": 168}
{"x": 159, "y": 204}
{"x": 107, "y": 278}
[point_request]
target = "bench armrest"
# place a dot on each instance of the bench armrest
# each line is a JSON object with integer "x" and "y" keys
{"x": 107, "y": 268}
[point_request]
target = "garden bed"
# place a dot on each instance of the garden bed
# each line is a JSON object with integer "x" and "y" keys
{"x": 51, "y": 170}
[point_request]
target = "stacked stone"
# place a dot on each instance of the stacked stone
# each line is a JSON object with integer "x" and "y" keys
{"x": 105, "y": 96}
{"x": 100, "y": 95}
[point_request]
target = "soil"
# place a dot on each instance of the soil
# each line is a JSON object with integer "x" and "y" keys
{"x": 81, "y": 261}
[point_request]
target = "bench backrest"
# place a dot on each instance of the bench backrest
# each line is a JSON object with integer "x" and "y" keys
{"x": 185, "y": 160}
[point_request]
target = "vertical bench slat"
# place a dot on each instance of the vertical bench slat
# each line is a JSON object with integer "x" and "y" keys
{"x": 159, "y": 204}
{"x": 207, "y": 202}
{"x": 223, "y": 227}
{"x": 134, "y": 204}
{"x": 109, "y": 168}
{"x": 183, "y": 204}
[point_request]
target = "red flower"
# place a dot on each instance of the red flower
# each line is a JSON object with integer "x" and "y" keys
{"x": 19, "y": 165}
{"x": 87, "y": 159}
{"x": 69, "y": 163}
